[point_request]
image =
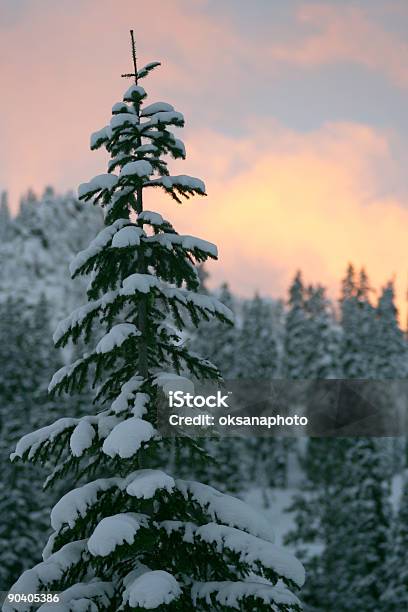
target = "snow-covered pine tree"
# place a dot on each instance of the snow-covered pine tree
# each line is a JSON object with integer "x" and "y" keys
{"x": 350, "y": 350}
{"x": 4, "y": 217}
{"x": 218, "y": 342}
{"x": 24, "y": 404}
{"x": 203, "y": 276}
{"x": 358, "y": 325}
{"x": 356, "y": 542}
{"x": 257, "y": 356}
{"x": 390, "y": 361}
{"x": 351, "y": 523}
{"x": 44, "y": 234}
{"x": 395, "y": 596}
{"x": 367, "y": 323}
{"x": 295, "y": 341}
{"x": 323, "y": 362}
{"x": 129, "y": 537}
{"x": 391, "y": 349}
{"x": 323, "y": 337}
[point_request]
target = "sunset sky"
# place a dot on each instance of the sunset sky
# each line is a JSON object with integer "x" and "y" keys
{"x": 296, "y": 118}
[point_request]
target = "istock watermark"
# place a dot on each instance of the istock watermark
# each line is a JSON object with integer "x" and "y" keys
{"x": 206, "y": 410}
{"x": 329, "y": 408}
{"x": 179, "y": 399}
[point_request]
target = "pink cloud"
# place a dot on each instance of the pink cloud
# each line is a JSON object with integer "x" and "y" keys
{"x": 61, "y": 62}
{"x": 345, "y": 33}
{"x": 60, "y": 66}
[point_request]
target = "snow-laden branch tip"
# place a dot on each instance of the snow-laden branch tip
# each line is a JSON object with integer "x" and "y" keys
{"x": 164, "y": 118}
{"x": 151, "y": 590}
{"x": 233, "y": 594}
{"x": 97, "y": 183}
{"x": 45, "y": 573}
{"x": 141, "y": 484}
{"x": 156, "y": 107}
{"x": 139, "y": 283}
{"x": 101, "y": 136}
{"x": 122, "y": 107}
{"x": 253, "y": 550}
{"x": 127, "y": 437}
{"x": 227, "y": 509}
{"x": 78, "y": 316}
{"x": 140, "y": 168}
{"x": 189, "y": 243}
{"x": 114, "y": 531}
{"x": 120, "y": 120}
{"x": 151, "y": 217}
{"x": 98, "y": 244}
{"x": 81, "y": 438}
{"x": 182, "y": 181}
{"x": 116, "y": 337}
{"x": 82, "y": 596}
{"x": 135, "y": 92}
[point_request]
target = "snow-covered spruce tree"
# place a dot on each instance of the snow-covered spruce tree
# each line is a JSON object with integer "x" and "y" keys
{"x": 391, "y": 349}
{"x": 356, "y": 547}
{"x": 295, "y": 341}
{"x": 322, "y": 362}
{"x": 257, "y": 344}
{"x": 24, "y": 404}
{"x": 132, "y": 538}
{"x": 395, "y": 596}
{"x": 323, "y": 337}
{"x": 390, "y": 361}
{"x": 257, "y": 358}
{"x": 358, "y": 325}
{"x": 4, "y": 217}
{"x": 203, "y": 276}
{"x": 44, "y": 235}
{"x": 353, "y": 526}
{"x": 218, "y": 342}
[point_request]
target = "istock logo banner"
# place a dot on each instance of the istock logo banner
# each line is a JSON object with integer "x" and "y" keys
{"x": 179, "y": 399}
{"x": 281, "y": 408}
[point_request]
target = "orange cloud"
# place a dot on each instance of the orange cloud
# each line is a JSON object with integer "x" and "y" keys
{"x": 280, "y": 200}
